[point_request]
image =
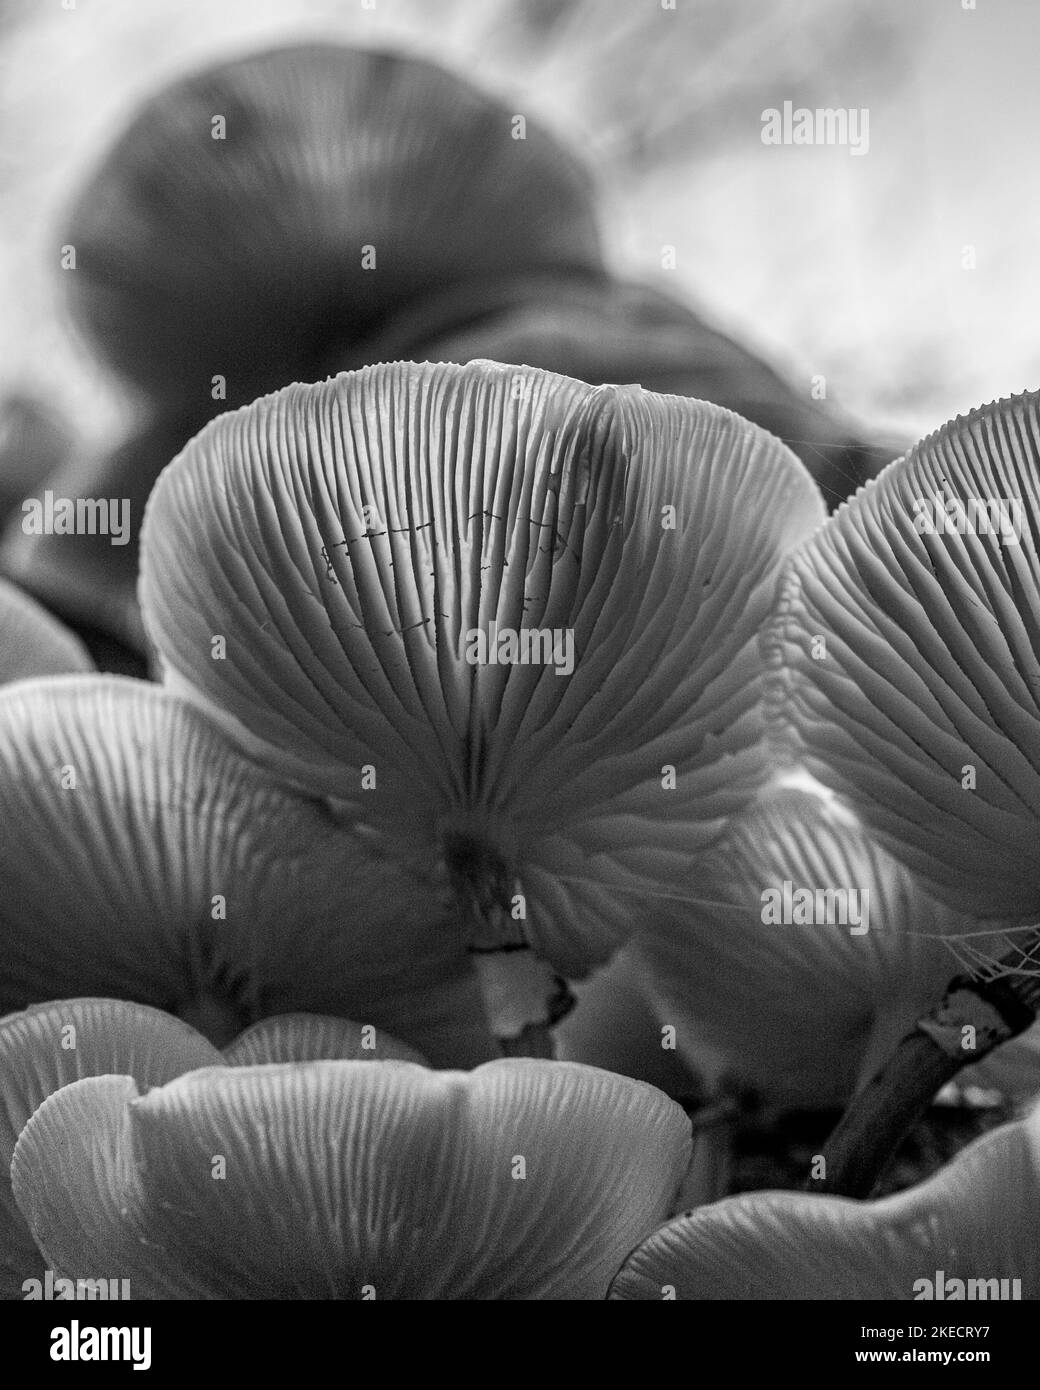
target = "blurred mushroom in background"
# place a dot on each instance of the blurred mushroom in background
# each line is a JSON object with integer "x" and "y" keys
{"x": 35, "y": 441}
{"x": 604, "y": 330}
{"x": 257, "y": 210}
{"x": 286, "y": 214}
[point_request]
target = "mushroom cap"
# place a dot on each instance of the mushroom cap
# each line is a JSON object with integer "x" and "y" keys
{"x": 924, "y": 711}
{"x": 244, "y": 256}
{"x": 362, "y": 545}
{"x": 54, "y": 1044}
{"x": 519, "y": 1180}
{"x": 33, "y": 642}
{"x": 798, "y": 1010}
{"x": 975, "y": 1219}
{"x": 599, "y": 330}
{"x": 143, "y": 858}
{"x": 801, "y": 1013}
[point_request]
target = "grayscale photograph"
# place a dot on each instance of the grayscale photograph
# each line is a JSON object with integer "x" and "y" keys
{"x": 519, "y": 672}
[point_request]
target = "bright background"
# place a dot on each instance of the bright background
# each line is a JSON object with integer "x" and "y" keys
{"x": 830, "y": 263}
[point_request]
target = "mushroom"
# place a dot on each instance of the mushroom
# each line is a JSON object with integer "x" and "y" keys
{"x": 32, "y": 643}
{"x": 972, "y": 1224}
{"x": 799, "y": 1011}
{"x": 923, "y": 710}
{"x": 35, "y": 441}
{"x": 350, "y": 1179}
{"x": 504, "y": 620}
{"x": 905, "y": 649}
{"x": 600, "y": 329}
{"x": 255, "y": 211}
{"x": 143, "y": 858}
{"x": 54, "y": 1044}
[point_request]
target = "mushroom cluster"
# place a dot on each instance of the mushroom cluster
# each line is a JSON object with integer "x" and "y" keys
{"x": 298, "y": 1164}
{"x": 521, "y": 747}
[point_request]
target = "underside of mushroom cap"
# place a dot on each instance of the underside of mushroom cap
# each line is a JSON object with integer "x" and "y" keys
{"x": 906, "y": 651}
{"x": 518, "y": 1180}
{"x": 486, "y": 605}
{"x": 257, "y": 210}
{"x": 800, "y": 952}
{"x": 143, "y": 858}
{"x": 52, "y": 1044}
{"x": 57, "y": 1043}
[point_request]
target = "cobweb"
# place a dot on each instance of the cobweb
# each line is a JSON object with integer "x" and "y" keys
{"x": 996, "y": 952}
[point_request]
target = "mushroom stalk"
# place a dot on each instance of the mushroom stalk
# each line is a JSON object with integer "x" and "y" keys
{"x": 524, "y": 998}
{"x": 523, "y": 995}
{"x": 975, "y": 1017}
{"x": 712, "y": 1126}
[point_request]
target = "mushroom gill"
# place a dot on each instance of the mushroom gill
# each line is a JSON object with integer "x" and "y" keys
{"x": 54, "y": 1044}
{"x": 799, "y": 954}
{"x": 505, "y": 620}
{"x": 518, "y": 1180}
{"x": 906, "y": 651}
{"x": 143, "y": 858}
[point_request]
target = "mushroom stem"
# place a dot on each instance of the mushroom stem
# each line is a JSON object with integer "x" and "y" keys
{"x": 523, "y": 999}
{"x": 712, "y": 1127}
{"x": 975, "y": 1017}
{"x": 523, "y": 995}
